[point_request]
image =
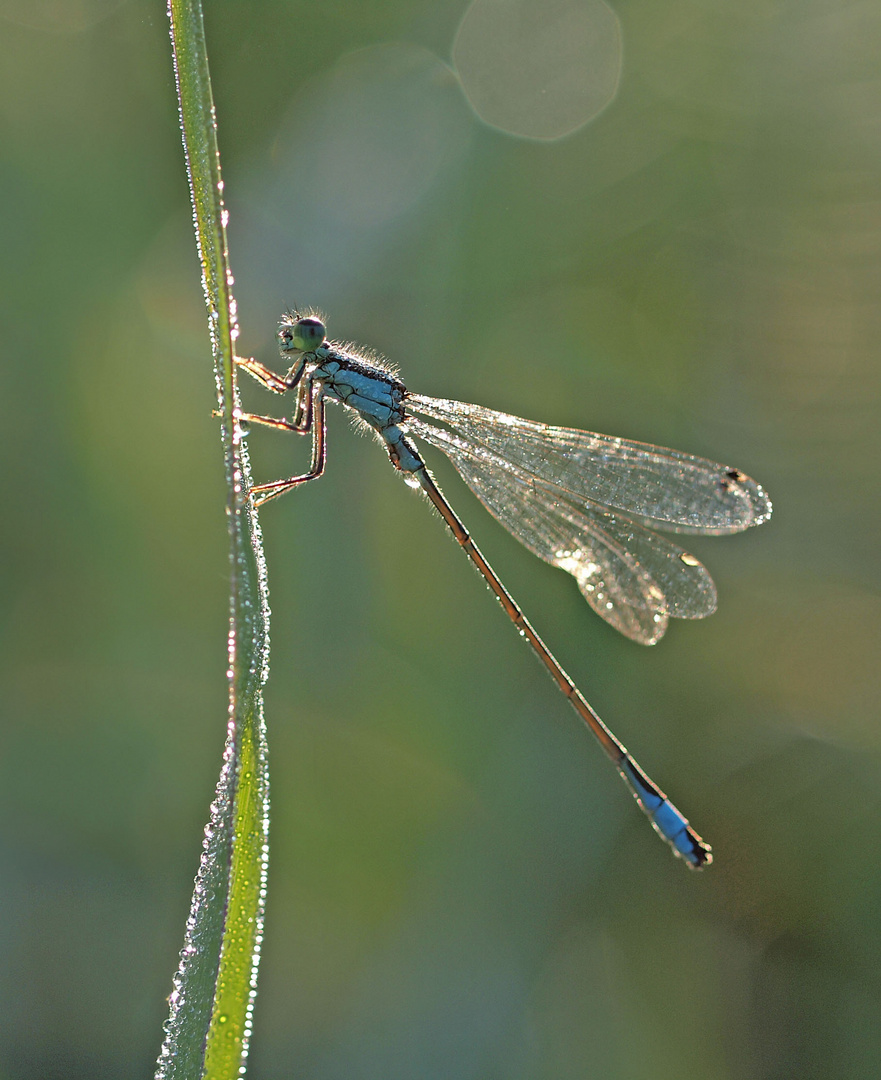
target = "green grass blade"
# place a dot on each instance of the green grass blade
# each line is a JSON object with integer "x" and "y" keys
{"x": 208, "y": 1029}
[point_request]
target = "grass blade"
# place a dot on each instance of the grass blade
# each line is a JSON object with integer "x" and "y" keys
{"x": 211, "y": 1005}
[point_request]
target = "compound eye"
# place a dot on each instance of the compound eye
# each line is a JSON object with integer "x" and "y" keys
{"x": 304, "y": 335}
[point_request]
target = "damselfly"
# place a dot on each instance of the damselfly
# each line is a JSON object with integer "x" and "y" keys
{"x": 587, "y": 503}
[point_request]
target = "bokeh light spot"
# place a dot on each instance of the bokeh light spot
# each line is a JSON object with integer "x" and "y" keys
{"x": 540, "y": 69}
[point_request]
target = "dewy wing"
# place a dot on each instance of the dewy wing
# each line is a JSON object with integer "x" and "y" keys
{"x": 663, "y": 488}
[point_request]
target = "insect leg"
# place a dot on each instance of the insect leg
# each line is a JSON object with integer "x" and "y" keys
{"x": 312, "y": 415}
{"x": 269, "y": 378}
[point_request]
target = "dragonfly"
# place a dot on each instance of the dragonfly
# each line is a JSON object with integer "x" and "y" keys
{"x": 589, "y": 504}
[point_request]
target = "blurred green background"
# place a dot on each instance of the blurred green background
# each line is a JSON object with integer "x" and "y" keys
{"x": 460, "y": 886}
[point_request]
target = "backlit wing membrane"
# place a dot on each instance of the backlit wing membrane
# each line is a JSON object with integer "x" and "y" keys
{"x": 658, "y": 487}
{"x": 631, "y": 576}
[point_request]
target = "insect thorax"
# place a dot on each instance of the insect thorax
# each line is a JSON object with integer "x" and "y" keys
{"x": 373, "y": 393}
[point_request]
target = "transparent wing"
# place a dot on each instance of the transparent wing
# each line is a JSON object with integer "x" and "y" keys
{"x": 661, "y": 488}
{"x": 631, "y": 576}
